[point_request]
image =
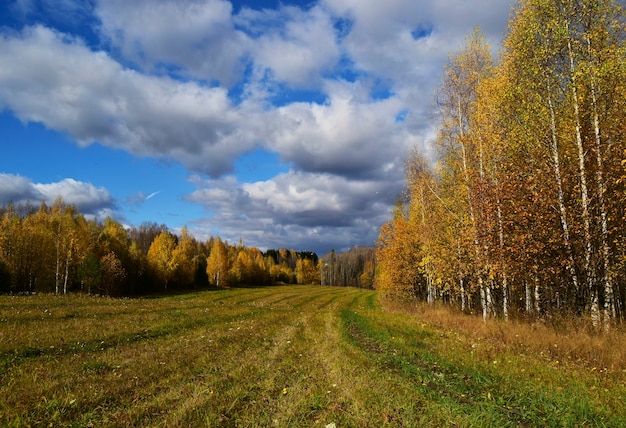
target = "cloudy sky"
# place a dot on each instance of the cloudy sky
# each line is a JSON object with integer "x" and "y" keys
{"x": 281, "y": 123}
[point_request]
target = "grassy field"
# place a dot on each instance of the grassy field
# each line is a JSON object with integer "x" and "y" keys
{"x": 294, "y": 356}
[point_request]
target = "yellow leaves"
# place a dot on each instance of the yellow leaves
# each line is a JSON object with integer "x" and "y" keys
{"x": 160, "y": 257}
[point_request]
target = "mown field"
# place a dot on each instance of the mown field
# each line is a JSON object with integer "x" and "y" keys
{"x": 281, "y": 356}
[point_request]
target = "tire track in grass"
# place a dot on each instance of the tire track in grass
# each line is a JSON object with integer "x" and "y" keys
{"x": 291, "y": 388}
{"x": 338, "y": 378}
{"x": 476, "y": 394}
{"x": 453, "y": 389}
{"x": 309, "y": 394}
{"x": 286, "y": 370}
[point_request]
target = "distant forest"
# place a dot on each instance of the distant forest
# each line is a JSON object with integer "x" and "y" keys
{"x": 56, "y": 249}
{"x": 524, "y": 211}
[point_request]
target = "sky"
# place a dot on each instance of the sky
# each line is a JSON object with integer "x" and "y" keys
{"x": 284, "y": 124}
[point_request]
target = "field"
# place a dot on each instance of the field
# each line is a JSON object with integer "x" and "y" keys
{"x": 299, "y": 356}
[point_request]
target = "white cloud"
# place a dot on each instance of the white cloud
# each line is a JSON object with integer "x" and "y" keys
{"x": 196, "y": 37}
{"x": 308, "y": 210}
{"x": 297, "y": 48}
{"x": 90, "y": 200}
{"x": 50, "y": 78}
{"x": 17, "y": 189}
{"x": 346, "y": 136}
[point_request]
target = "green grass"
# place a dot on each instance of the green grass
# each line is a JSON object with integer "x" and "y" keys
{"x": 277, "y": 356}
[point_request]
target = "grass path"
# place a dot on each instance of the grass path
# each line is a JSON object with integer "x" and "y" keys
{"x": 277, "y": 356}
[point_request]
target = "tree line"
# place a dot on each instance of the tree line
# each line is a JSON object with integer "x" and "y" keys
{"x": 56, "y": 249}
{"x": 353, "y": 268}
{"x": 523, "y": 209}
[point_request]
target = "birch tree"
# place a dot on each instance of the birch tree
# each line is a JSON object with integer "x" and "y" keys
{"x": 455, "y": 99}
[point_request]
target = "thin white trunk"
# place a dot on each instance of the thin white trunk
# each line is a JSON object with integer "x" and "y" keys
{"x": 584, "y": 197}
{"x": 481, "y": 286}
{"x": 461, "y": 282}
{"x": 431, "y": 297}
{"x": 67, "y": 269}
{"x": 505, "y": 282}
{"x": 528, "y": 301}
{"x": 57, "y": 268}
{"x": 556, "y": 168}
{"x": 609, "y": 305}
{"x": 488, "y": 299}
{"x": 595, "y": 310}
{"x": 537, "y": 296}
{"x": 431, "y": 289}
{"x": 483, "y": 300}
{"x": 462, "y": 287}
{"x": 505, "y": 297}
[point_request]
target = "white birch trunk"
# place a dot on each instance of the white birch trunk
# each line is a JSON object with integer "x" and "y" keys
{"x": 488, "y": 300}
{"x": 537, "y": 297}
{"x": 67, "y": 271}
{"x": 505, "y": 282}
{"x": 584, "y": 197}
{"x": 481, "y": 285}
{"x": 609, "y": 306}
{"x": 595, "y": 310}
{"x": 483, "y": 300}
{"x": 57, "y": 268}
{"x": 461, "y": 282}
{"x": 556, "y": 168}
{"x": 528, "y": 300}
{"x": 431, "y": 290}
{"x": 462, "y": 288}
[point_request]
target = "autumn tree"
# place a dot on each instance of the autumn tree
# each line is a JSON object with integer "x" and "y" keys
{"x": 69, "y": 230}
{"x": 463, "y": 152}
{"x": 38, "y": 251}
{"x": 219, "y": 264}
{"x": 399, "y": 256}
{"x": 11, "y": 248}
{"x": 161, "y": 258}
{"x": 306, "y": 271}
{"x": 186, "y": 259}
{"x": 112, "y": 248}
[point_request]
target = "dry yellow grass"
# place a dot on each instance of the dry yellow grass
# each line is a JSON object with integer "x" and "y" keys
{"x": 571, "y": 341}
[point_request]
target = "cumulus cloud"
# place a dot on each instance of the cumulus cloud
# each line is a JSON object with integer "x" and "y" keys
{"x": 346, "y": 136}
{"x": 95, "y": 202}
{"x": 54, "y": 79}
{"x": 17, "y": 189}
{"x": 295, "y": 45}
{"x": 299, "y": 207}
{"x": 197, "y": 37}
{"x": 403, "y": 40}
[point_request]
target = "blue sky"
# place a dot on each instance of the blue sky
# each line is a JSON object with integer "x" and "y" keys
{"x": 281, "y": 123}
